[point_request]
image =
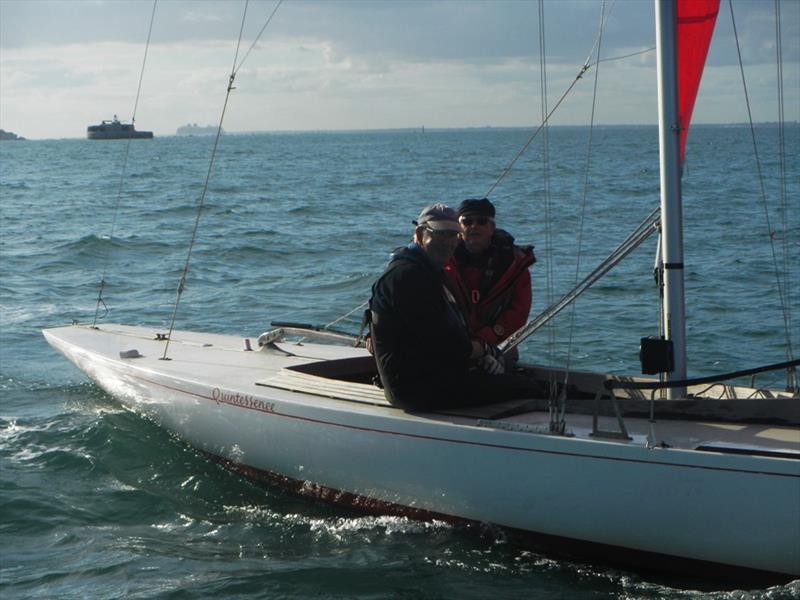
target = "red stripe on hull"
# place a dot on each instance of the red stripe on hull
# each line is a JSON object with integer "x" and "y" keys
{"x": 309, "y": 489}
{"x": 691, "y": 573}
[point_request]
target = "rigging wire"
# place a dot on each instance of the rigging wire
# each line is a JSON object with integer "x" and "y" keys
{"x": 584, "y": 200}
{"x": 201, "y": 201}
{"x": 784, "y": 203}
{"x": 549, "y": 271}
{"x": 770, "y": 233}
{"x": 587, "y": 64}
{"x": 260, "y": 33}
{"x": 645, "y": 51}
{"x": 122, "y": 177}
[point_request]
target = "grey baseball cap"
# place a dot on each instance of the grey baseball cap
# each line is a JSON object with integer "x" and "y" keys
{"x": 438, "y": 217}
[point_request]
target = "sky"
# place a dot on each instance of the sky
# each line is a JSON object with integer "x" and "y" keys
{"x": 339, "y": 65}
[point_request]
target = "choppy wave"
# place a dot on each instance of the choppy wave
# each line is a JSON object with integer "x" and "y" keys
{"x": 91, "y": 245}
{"x": 14, "y": 185}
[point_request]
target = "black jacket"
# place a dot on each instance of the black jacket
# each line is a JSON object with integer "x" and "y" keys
{"x": 420, "y": 341}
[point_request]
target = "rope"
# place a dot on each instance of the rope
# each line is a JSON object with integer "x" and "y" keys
{"x": 343, "y": 317}
{"x": 201, "y": 201}
{"x": 657, "y": 385}
{"x": 122, "y": 177}
{"x": 328, "y": 326}
{"x": 783, "y": 297}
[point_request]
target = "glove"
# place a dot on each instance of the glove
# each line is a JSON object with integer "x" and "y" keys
{"x": 491, "y": 365}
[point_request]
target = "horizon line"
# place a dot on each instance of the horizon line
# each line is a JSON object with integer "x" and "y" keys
{"x": 408, "y": 129}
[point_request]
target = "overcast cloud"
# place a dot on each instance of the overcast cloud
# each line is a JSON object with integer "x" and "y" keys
{"x": 353, "y": 65}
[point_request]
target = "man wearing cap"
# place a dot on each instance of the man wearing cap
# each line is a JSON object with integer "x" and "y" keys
{"x": 488, "y": 274}
{"x": 420, "y": 341}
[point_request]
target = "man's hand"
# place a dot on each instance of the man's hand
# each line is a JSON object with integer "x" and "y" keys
{"x": 491, "y": 365}
{"x": 488, "y": 357}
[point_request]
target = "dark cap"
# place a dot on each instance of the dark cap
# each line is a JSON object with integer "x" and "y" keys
{"x": 438, "y": 216}
{"x": 480, "y": 207}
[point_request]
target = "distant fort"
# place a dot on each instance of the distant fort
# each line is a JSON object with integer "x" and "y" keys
{"x": 116, "y": 130}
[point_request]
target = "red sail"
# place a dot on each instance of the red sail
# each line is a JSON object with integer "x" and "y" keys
{"x": 696, "y": 20}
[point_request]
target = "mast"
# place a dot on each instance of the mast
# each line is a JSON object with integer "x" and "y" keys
{"x": 673, "y": 317}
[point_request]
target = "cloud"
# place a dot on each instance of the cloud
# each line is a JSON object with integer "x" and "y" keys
{"x": 334, "y": 65}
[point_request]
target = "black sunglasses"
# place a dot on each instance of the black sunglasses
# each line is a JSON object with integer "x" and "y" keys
{"x": 467, "y": 221}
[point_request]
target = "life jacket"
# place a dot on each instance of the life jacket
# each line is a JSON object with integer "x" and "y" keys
{"x": 484, "y": 286}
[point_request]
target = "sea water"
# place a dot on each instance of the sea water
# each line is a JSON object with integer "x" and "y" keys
{"x": 98, "y": 502}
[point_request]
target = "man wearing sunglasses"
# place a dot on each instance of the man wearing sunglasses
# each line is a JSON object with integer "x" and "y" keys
{"x": 488, "y": 275}
{"x": 420, "y": 341}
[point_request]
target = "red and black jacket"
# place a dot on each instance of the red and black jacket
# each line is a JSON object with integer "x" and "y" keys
{"x": 493, "y": 291}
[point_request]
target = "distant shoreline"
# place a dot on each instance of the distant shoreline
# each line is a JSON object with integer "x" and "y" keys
{"x": 10, "y": 136}
{"x": 427, "y": 129}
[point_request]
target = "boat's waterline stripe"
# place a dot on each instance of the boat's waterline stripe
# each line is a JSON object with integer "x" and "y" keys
{"x": 267, "y": 408}
{"x": 336, "y": 496}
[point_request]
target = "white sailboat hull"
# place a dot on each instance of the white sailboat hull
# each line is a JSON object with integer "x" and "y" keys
{"x": 732, "y": 509}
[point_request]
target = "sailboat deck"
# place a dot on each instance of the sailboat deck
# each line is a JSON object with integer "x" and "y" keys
{"x": 755, "y": 439}
{"x": 312, "y": 374}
